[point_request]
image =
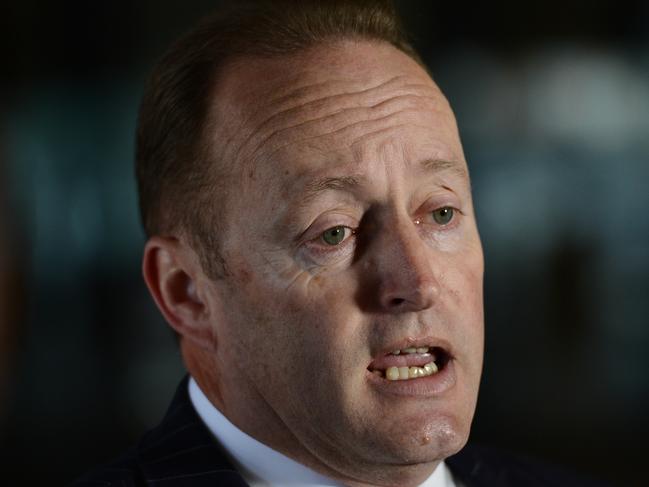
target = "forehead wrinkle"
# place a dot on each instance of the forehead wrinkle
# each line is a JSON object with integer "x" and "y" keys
{"x": 326, "y": 101}
{"x": 371, "y": 129}
{"x": 367, "y": 99}
{"x": 358, "y": 99}
{"x": 242, "y": 81}
{"x": 304, "y": 95}
{"x": 287, "y": 111}
{"x": 360, "y": 109}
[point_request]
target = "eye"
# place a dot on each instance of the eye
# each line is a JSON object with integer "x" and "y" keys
{"x": 444, "y": 215}
{"x": 336, "y": 235}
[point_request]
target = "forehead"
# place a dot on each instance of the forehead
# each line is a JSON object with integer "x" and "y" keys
{"x": 335, "y": 104}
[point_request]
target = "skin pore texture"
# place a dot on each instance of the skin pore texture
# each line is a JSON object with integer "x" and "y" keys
{"x": 352, "y": 136}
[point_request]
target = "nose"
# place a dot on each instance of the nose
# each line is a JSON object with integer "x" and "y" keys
{"x": 407, "y": 278}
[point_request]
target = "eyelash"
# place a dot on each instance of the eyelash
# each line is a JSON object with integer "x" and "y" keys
{"x": 321, "y": 248}
{"x": 318, "y": 246}
{"x": 451, "y": 224}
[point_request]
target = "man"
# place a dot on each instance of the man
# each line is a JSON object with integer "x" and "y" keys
{"x": 313, "y": 243}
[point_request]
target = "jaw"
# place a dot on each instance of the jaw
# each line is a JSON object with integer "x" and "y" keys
{"x": 416, "y": 448}
{"x": 381, "y": 438}
{"x": 377, "y": 436}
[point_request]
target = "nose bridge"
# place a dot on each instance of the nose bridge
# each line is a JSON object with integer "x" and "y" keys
{"x": 407, "y": 278}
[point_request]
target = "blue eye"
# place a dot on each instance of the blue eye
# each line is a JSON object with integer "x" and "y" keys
{"x": 443, "y": 216}
{"x": 335, "y": 235}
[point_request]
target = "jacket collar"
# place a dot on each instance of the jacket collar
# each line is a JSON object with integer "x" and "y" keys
{"x": 181, "y": 451}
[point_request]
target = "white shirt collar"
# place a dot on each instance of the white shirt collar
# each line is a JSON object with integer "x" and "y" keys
{"x": 260, "y": 465}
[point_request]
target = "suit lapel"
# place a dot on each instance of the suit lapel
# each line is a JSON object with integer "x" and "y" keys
{"x": 467, "y": 467}
{"x": 477, "y": 466}
{"x": 181, "y": 451}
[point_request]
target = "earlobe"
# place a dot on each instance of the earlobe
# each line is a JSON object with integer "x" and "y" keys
{"x": 171, "y": 271}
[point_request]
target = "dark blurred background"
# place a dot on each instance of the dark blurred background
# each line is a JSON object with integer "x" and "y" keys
{"x": 552, "y": 100}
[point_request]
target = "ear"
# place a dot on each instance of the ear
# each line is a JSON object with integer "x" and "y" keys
{"x": 175, "y": 279}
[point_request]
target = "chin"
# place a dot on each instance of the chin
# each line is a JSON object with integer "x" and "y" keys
{"x": 436, "y": 439}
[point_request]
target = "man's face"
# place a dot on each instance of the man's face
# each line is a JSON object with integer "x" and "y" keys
{"x": 349, "y": 235}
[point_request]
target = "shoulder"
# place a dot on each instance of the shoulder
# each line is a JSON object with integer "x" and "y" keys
{"x": 179, "y": 451}
{"x": 477, "y": 466}
{"x": 123, "y": 471}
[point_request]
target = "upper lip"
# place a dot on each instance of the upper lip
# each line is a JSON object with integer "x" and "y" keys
{"x": 418, "y": 342}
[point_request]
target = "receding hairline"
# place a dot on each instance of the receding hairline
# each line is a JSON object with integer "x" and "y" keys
{"x": 234, "y": 84}
{"x": 237, "y": 64}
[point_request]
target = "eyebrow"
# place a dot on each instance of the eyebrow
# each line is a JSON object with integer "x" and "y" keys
{"x": 438, "y": 165}
{"x": 348, "y": 183}
{"x": 318, "y": 186}
{"x": 341, "y": 183}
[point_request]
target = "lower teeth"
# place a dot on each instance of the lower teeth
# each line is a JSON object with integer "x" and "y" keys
{"x": 404, "y": 373}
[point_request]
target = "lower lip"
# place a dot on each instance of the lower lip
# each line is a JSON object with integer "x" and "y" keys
{"x": 432, "y": 385}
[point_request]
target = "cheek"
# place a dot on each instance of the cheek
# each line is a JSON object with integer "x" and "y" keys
{"x": 463, "y": 282}
{"x": 329, "y": 338}
{"x": 463, "y": 279}
{"x": 324, "y": 306}
{"x": 306, "y": 338}
{"x": 299, "y": 317}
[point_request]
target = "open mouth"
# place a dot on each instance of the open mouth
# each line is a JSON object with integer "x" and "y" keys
{"x": 410, "y": 363}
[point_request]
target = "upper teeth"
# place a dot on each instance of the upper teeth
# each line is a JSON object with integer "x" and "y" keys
{"x": 411, "y": 350}
{"x": 402, "y": 373}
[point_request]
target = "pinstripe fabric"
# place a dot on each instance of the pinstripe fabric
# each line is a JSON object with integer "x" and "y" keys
{"x": 181, "y": 452}
{"x": 178, "y": 452}
{"x": 477, "y": 466}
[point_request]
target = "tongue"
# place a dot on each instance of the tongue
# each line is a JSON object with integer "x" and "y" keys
{"x": 402, "y": 360}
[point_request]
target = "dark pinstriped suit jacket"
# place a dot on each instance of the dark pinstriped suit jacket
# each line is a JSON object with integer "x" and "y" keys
{"x": 180, "y": 451}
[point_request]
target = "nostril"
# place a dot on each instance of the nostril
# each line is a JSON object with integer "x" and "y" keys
{"x": 397, "y": 301}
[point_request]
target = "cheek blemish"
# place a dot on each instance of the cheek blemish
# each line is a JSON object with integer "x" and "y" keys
{"x": 241, "y": 272}
{"x": 425, "y": 440}
{"x": 244, "y": 276}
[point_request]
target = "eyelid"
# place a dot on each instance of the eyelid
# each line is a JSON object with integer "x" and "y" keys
{"x": 349, "y": 232}
{"x": 326, "y": 222}
{"x": 427, "y": 218}
{"x": 319, "y": 251}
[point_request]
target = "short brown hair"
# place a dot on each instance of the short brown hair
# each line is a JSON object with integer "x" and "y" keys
{"x": 176, "y": 173}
